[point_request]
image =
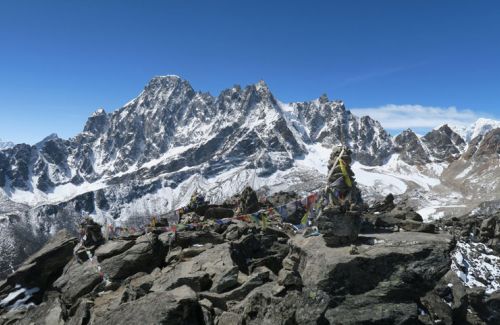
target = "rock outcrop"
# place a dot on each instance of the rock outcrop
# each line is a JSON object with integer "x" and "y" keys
{"x": 39, "y": 270}
{"x": 229, "y": 271}
{"x": 239, "y": 273}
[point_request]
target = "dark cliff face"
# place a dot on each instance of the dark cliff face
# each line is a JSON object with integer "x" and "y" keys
{"x": 444, "y": 144}
{"x": 374, "y": 144}
{"x": 490, "y": 144}
{"x": 18, "y": 162}
{"x": 439, "y": 145}
{"x": 484, "y": 146}
{"x": 410, "y": 148}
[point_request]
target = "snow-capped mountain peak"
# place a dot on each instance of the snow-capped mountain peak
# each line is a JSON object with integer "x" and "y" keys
{"x": 99, "y": 112}
{"x": 170, "y": 128}
{"x": 480, "y": 127}
{"x": 6, "y": 144}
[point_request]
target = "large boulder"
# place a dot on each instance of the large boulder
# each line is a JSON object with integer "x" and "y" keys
{"x": 339, "y": 227}
{"x": 186, "y": 239}
{"x": 262, "y": 306}
{"x": 384, "y": 206}
{"x": 213, "y": 269}
{"x": 371, "y": 310}
{"x": 146, "y": 254}
{"x": 267, "y": 248}
{"x": 112, "y": 248}
{"x": 220, "y": 300}
{"x": 44, "y": 266}
{"x": 177, "y": 306}
{"x": 379, "y": 285}
{"x": 77, "y": 280}
{"x": 403, "y": 212}
{"x": 50, "y": 312}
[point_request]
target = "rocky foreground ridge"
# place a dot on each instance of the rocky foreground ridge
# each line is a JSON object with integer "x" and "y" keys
{"x": 229, "y": 271}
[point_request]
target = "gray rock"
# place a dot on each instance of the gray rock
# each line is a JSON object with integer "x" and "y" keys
{"x": 382, "y": 282}
{"x": 339, "y": 228}
{"x": 144, "y": 256}
{"x": 231, "y": 233}
{"x": 364, "y": 311}
{"x": 213, "y": 269}
{"x": 178, "y": 306}
{"x": 289, "y": 279}
{"x": 189, "y": 238}
{"x": 493, "y": 304}
{"x": 229, "y": 318}
{"x": 447, "y": 303}
{"x": 44, "y": 265}
{"x": 208, "y": 311}
{"x": 140, "y": 284}
{"x": 220, "y": 300}
{"x": 77, "y": 280}
{"x": 410, "y": 225}
{"x": 51, "y": 312}
{"x": 81, "y": 313}
{"x": 193, "y": 251}
{"x": 261, "y": 306}
{"x": 112, "y": 248}
{"x": 227, "y": 281}
{"x": 255, "y": 250}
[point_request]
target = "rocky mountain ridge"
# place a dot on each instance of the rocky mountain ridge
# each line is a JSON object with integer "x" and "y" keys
{"x": 169, "y": 127}
{"x": 172, "y": 130}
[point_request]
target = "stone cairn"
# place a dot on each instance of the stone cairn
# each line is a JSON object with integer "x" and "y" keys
{"x": 91, "y": 232}
{"x": 339, "y": 220}
{"x": 249, "y": 202}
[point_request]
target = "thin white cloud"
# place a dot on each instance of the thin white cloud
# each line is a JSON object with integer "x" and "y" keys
{"x": 418, "y": 116}
{"x": 374, "y": 74}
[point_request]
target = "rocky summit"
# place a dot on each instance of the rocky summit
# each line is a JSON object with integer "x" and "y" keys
{"x": 327, "y": 258}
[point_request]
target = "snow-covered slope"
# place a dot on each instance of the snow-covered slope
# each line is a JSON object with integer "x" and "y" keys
{"x": 478, "y": 128}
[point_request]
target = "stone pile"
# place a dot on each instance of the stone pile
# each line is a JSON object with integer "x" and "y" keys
{"x": 339, "y": 221}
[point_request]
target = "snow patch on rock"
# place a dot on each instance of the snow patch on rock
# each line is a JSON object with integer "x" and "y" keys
{"x": 477, "y": 266}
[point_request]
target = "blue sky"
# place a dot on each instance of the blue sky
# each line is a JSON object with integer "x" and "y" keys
{"x": 434, "y": 60}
